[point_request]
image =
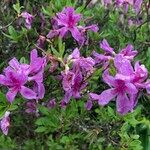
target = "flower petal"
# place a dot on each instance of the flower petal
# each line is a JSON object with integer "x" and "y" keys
{"x": 63, "y": 31}
{"x": 110, "y": 80}
{"x": 14, "y": 64}
{"x": 123, "y": 65}
{"x": 94, "y": 96}
{"x": 131, "y": 89}
{"x": 41, "y": 90}
{"x": 124, "y": 105}
{"x": 106, "y": 96}
{"x": 11, "y": 94}
{"x": 106, "y": 47}
{"x": 88, "y": 105}
{"x": 27, "y": 93}
{"x": 77, "y": 35}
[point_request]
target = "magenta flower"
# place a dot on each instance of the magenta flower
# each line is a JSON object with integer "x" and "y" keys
{"x": 82, "y": 63}
{"x": 128, "y": 52}
{"x": 73, "y": 80}
{"x": 5, "y": 123}
{"x": 67, "y": 21}
{"x": 136, "y": 4}
{"x": 121, "y": 89}
{"x": 51, "y": 104}
{"x": 15, "y": 81}
{"x": 31, "y": 107}
{"x": 136, "y": 75}
{"x": 17, "y": 75}
{"x": 28, "y": 19}
{"x": 124, "y": 3}
{"x": 106, "y": 2}
{"x": 72, "y": 84}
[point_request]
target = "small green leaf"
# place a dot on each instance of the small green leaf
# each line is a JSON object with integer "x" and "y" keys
{"x": 40, "y": 129}
{"x": 55, "y": 52}
{"x": 17, "y": 7}
{"x": 43, "y": 110}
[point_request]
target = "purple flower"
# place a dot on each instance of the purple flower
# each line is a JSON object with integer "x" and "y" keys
{"x": 73, "y": 79}
{"x": 136, "y": 75}
{"x": 123, "y": 90}
{"x": 106, "y": 2}
{"x": 51, "y": 103}
{"x": 28, "y": 19}
{"x": 136, "y": 4}
{"x": 31, "y": 107}
{"x": 128, "y": 52}
{"x": 72, "y": 84}
{"x": 67, "y": 21}
{"x": 5, "y": 123}
{"x": 81, "y": 63}
{"x": 15, "y": 81}
{"x": 41, "y": 41}
{"x": 16, "y": 75}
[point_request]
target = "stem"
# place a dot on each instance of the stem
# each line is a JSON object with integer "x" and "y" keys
{"x": 1, "y": 28}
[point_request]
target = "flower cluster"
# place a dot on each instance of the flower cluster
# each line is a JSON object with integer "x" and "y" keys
{"x": 28, "y": 19}
{"x": 126, "y": 84}
{"x": 136, "y": 4}
{"x": 74, "y": 79}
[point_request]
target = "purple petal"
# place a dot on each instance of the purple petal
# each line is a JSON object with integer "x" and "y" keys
{"x": 51, "y": 103}
{"x": 110, "y": 80}
{"x": 67, "y": 97}
{"x": 94, "y": 96}
{"x": 41, "y": 90}
{"x": 52, "y": 34}
{"x": 106, "y": 96}
{"x": 123, "y": 65}
{"x": 106, "y": 47}
{"x": 63, "y": 31}
{"x": 14, "y": 64}
{"x": 5, "y": 123}
{"x": 131, "y": 89}
{"x": 124, "y": 105}
{"x": 27, "y": 93}
{"x": 93, "y": 28}
{"x": 77, "y": 35}
{"x": 75, "y": 54}
{"x": 3, "y": 80}
{"x": 11, "y": 94}
{"x": 137, "y": 5}
{"x": 128, "y": 52}
{"x": 88, "y": 105}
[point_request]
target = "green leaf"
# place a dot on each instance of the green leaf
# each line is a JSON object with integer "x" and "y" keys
{"x": 61, "y": 47}
{"x": 55, "y": 51}
{"x": 2, "y": 97}
{"x": 17, "y": 7}
{"x": 47, "y": 11}
{"x": 43, "y": 110}
{"x": 40, "y": 129}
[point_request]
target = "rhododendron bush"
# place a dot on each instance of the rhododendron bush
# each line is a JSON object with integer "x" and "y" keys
{"x": 74, "y": 74}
